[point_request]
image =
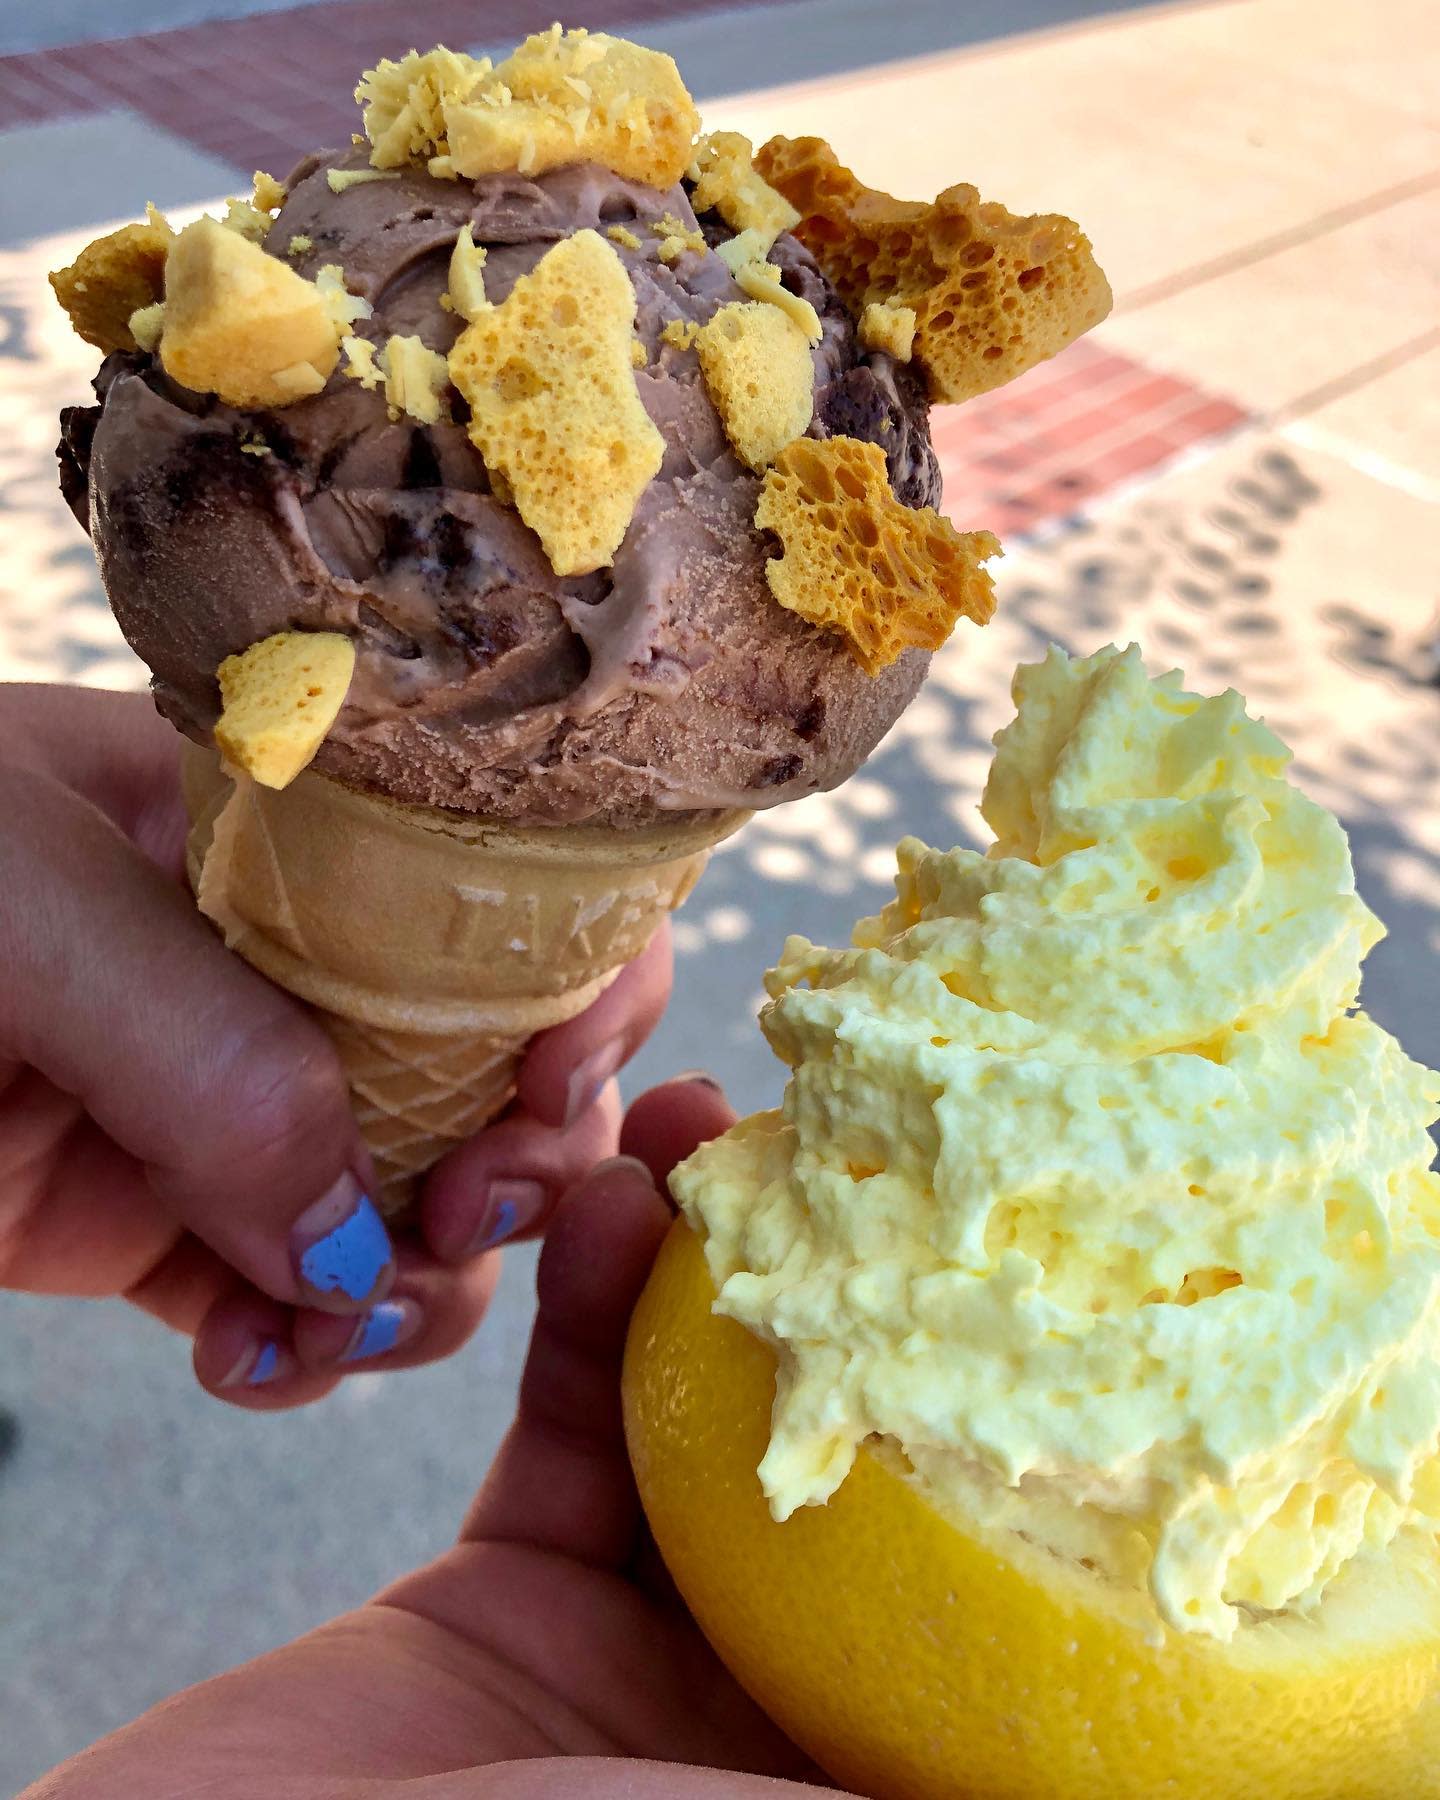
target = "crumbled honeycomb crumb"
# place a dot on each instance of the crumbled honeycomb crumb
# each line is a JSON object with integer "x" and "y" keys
{"x": 622, "y": 235}
{"x": 553, "y": 403}
{"x": 340, "y": 179}
{"x": 415, "y": 380}
{"x": 248, "y": 220}
{"x": 404, "y": 104}
{"x": 344, "y": 307}
{"x": 441, "y": 167}
{"x": 992, "y": 294}
{"x": 300, "y": 243}
{"x": 360, "y": 362}
{"x": 856, "y": 561}
{"x": 680, "y": 334}
{"x": 888, "y": 327}
{"x": 726, "y": 179}
{"x": 112, "y": 279}
{"x": 268, "y": 194}
{"x": 467, "y": 276}
{"x": 242, "y": 324}
{"x": 744, "y": 247}
{"x": 255, "y": 446}
{"x": 146, "y": 325}
{"x": 761, "y": 377}
{"x": 676, "y": 238}
{"x": 761, "y": 281}
{"x": 638, "y": 354}
{"x": 636, "y": 117}
{"x": 279, "y": 698}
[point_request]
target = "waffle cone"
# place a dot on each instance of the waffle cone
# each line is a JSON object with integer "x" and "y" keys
{"x": 433, "y": 945}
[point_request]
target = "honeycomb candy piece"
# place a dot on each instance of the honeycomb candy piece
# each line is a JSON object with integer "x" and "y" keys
{"x": 745, "y": 247}
{"x": 340, "y": 181}
{"x": 403, "y": 103}
{"x": 889, "y": 328}
{"x": 761, "y": 281}
{"x": 361, "y": 362}
{"x": 248, "y": 220}
{"x": 414, "y": 377}
{"x": 242, "y": 324}
{"x": 112, "y": 279}
{"x": 576, "y": 96}
{"x": 856, "y": 561}
{"x": 146, "y": 326}
{"x": 553, "y": 402}
{"x": 343, "y": 307}
{"x": 993, "y": 294}
{"x": 267, "y": 194}
{"x": 279, "y": 699}
{"x": 761, "y": 377}
{"x": 466, "y": 281}
{"x": 726, "y": 179}
{"x": 415, "y": 380}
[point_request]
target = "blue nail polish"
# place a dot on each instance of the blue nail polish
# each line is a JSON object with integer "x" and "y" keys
{"x": 264, "y": 1366}
{"x": 378, "y": 1333}
{"x": 513, "y": 1204}
{"x": 349, "y": 1258}
{"x": 503, "y": 1227}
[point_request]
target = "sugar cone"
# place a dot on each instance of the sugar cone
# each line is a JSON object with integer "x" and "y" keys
{"x": 432, "y": 944}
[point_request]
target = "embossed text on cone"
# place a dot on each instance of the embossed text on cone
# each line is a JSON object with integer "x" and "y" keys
{"x": 433, "y": 944}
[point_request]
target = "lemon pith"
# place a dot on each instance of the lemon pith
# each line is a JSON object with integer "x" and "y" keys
{"x": 913, "y": 1659}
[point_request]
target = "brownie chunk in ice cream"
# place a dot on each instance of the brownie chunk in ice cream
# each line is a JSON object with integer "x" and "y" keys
{"x": 671, "y": 679}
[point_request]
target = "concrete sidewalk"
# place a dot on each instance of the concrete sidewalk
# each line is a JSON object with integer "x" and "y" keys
{"x": 1241, "y": 470}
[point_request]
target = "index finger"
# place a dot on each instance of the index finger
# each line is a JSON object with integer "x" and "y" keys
{"x": 566, "y": 1067}
{"x": 112, "y": 749}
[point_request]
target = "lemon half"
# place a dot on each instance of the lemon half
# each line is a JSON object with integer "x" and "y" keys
{"x": 915, "y": 1657}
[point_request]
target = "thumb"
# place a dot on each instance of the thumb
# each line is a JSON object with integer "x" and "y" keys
{"x": 605, "y": 1778}
{"x": 226, "y": 1091}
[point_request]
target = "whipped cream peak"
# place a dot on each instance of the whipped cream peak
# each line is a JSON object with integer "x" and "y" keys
{"x": 1089, "y": 1189}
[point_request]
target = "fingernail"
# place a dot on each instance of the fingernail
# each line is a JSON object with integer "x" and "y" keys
{"x": 386, "y": 1325}
{"x": 620, "y": 1165}
{"x": 511, "y": 1206}
{"x": 633, "y": 1167}
{"x": 702, "y": 1076}
{"x": 260, "y": 1364}
{"x": 341, "y": 1247}
{"x": 588, "y": 1077}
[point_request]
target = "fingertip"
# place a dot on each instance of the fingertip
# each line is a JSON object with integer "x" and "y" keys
{"x": 599, "y": 1248}
{"x": 244, "y": 1355}
{"x": 341, "y": 1250}
{"x": 503, "y": 1185}
{"x": 666, "y": 1123}
{"x": 429, "y": 1313}
{"x": 565, "y": 1069}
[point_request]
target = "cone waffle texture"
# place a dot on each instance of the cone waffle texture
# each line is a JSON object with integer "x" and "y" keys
{"x": 432, "y": 944}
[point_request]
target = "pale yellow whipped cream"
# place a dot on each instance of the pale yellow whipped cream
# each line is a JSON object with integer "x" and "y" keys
{"x": 1089, "y": 1190}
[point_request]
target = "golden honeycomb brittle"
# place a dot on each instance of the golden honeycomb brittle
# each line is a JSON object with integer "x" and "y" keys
{"x": 993, "y": 293}
{"x": 855, "y": 560}
{"x": 112, "y": 279}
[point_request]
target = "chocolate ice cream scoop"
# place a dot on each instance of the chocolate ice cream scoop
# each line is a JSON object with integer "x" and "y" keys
{"x": 671, "y": 680}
